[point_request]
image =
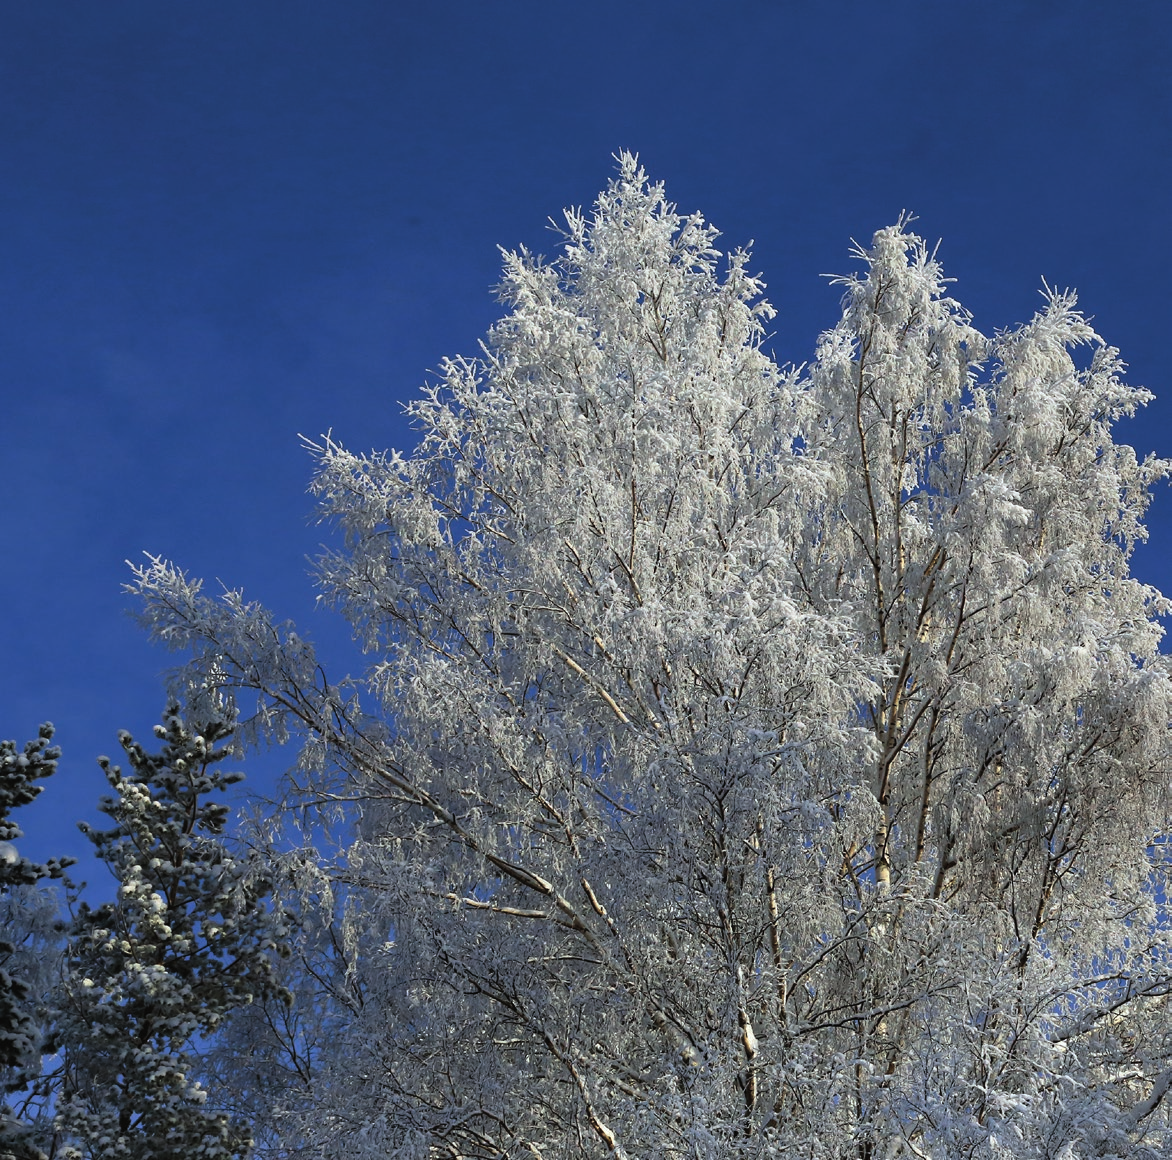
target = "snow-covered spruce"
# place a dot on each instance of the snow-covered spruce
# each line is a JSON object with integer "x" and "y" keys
{"x": 753, "y": 762}
{"x": 29, "y": 937}
{"x": 189, "y": 940}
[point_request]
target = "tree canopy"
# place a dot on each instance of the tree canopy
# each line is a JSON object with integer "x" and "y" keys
{"x": 752, "y": 761}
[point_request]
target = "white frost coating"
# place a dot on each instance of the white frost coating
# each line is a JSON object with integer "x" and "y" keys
{"x": 754, "y": 763}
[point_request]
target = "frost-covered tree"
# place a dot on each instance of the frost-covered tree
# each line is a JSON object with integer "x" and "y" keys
{"x": 33, "y": 919}
{"x": 188, "y": 940}
{"x": 753, "y": 762}
{"x": 273, "y": 1061}
{"x": 28, "y": 936}
{"x": 19, "y": 772}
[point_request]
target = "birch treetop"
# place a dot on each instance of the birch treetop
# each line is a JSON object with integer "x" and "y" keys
{"x": 748, "y": 761}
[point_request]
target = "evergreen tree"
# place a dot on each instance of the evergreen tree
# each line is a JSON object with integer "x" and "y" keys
{"x": 188, "y": 940}
{"x": 27, "y": 924}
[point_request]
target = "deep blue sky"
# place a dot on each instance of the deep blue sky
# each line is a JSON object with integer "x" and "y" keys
{"x": 222, "y": 224}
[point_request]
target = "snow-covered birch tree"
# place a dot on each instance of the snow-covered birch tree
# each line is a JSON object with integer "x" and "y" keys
{"x": 751, "y": 761}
